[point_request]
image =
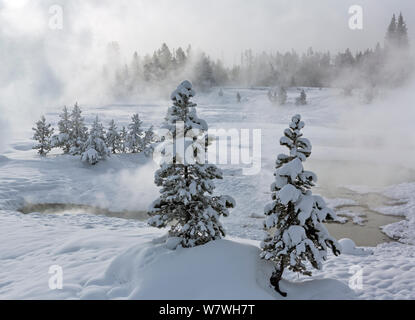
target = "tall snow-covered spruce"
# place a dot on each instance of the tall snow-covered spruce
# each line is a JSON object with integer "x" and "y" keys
{"x": 62, "y": 139}
{"x": 113, "y": 139}
{"x": 135, "y": 134}
{"x": 95, "y": 147}
{"x": 147, "y": 141}
{"x": 187, "y": 203}
{"x": 294, "y": 223}
{"x": 78, "y": 132}
{"x": 123, "y": 140}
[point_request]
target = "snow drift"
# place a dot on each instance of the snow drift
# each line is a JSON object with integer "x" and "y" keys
{"x": 222, "y": 269}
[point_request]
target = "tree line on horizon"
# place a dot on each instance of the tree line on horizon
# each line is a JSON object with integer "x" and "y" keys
{"x": 383, "y": 66}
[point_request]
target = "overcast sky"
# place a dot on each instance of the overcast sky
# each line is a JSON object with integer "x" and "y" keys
{"x": 221, "y": 27}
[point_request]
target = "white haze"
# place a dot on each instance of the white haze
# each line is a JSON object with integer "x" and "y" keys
{"x": 376, "y": 144}
{"x": 128, "y": 189}
{"x": 386, "y": 127}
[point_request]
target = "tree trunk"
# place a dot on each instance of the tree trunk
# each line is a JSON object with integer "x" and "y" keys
{"x": 276, "y": 278}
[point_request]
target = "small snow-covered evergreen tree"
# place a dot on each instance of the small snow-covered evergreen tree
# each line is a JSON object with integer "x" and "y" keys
{"x": 186, "y": 203}
{"x": 135, "y": 134}
{"x": 62, "y": 140}
{"x": 147, "y": 141}
{"x": 79, "y": 132}
{"x": 43, "y": 134}
{"x": 302, "y": 99}
{"x": 113, "y": 139}
{"x": 95, "y": 147}
{"x": 294, "y": 222}
{"x": 123, "y": 140}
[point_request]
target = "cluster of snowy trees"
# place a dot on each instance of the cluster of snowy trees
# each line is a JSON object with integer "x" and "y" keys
{"x": 279, "y": 97}
{"x": 160, "y": 69}
{"x": 187, "y": 205}
{"x": 95, "y": 144}
{"x": 389, "y": 65}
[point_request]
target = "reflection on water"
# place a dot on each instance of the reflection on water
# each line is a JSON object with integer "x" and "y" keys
{"x": 63, "y": 208}
{"x": 369, "y": 234}
{"x": 363, "y": 221}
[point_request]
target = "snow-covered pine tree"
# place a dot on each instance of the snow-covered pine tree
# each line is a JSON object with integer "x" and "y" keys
{"x": 62, "y": 140}
{"x": 123, "y": 140}
{"x": 135, "y": 134}
{"x": 43, "y": 134}
{"x": 95, "y": 147}
{"x": 302, "y": 99}
{"x": 147, "y": 141}
{"x": 294, "y": 222}
{"x": 79, "y": 132}
{"x": 113, "y": 139}
{"x": 186, "y": 203}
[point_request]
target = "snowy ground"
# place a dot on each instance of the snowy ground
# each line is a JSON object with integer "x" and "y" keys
{"x": 108, "y": 258}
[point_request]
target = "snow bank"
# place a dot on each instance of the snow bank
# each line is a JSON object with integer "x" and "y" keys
{"x": 108, "y": 258}
{"x": 223, "y": 269}
{"x": 403, "y": 205}
{"x": 349, "y": 247}
{"x": 403, "y": 230}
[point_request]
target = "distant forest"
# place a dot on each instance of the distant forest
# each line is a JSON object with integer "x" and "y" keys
{"x": 383, "y": 66}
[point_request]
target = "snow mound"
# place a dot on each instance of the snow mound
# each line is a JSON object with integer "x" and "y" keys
{"x": 222, "y": 269}
{"x": 349, "y": 247}
{"x": 403, "y": 230}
